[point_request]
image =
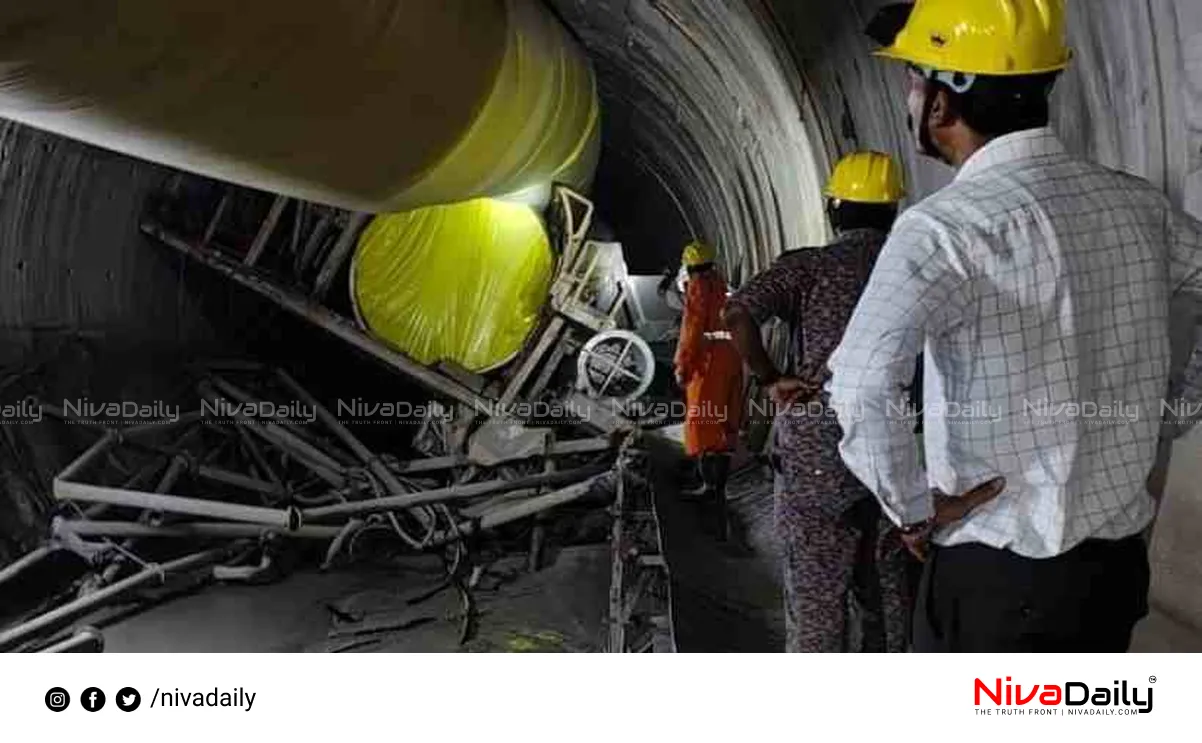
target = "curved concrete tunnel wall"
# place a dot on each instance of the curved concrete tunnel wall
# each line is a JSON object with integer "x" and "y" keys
{"x": 702, "y": 99}
{"x": 736, "y": 108}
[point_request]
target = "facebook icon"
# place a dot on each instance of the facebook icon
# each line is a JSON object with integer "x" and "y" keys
{"x": 92, "y": 699}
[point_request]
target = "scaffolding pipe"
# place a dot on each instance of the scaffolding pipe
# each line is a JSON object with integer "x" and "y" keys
{"x": 286, "y": 519}
{"x": 13, "y": 569}
{"x": 306, "y": 309}
{"x": 455, "y": 492}
{"x": 131, "y": 529}
{"x": 87, "y": 640}
{"x": 516, "y": 512}
{"x": 555, "y": 450}
{"x": 54, "y": 618}
{"x": 83, "y": 461}
{"x": 320, "y": 463}
{"x": 368, "y": 457}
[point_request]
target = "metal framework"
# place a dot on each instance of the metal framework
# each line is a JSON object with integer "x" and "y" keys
{"x": 295, "y": 271}
{"x": 355, "y": 488}
{"x": 640, "y": 588}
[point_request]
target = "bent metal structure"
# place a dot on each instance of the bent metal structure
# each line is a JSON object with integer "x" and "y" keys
{"x": 721, "y": 119}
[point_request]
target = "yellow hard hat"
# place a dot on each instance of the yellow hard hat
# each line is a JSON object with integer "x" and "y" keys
{"x": 984, "y": 37}
{"x": 697, "y": 253}
{"x": 867, "y": 178}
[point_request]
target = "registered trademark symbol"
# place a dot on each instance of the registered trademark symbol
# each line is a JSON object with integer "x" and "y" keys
{"x": 1151, "y": 679}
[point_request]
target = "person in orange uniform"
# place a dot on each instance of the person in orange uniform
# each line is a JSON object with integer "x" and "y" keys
{"x": 710, "y": 370}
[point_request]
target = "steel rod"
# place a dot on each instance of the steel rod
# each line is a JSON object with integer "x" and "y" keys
{"x": 226, "y": 477}
{"x": 321, "y": 317}
{"x": 455, "y": 492}
{"x": 26, "y": 561}
{"x": 373, "y": 462}
{"x": 86, "y": 640}
{"x": 517, "y": 511}
{"x": 338, "y": 254}
{"x": 227, "y": 388}
{"x": 557, "y": 449}
{"x": 288, "y": 519}
{"x": 211, "y": 229}
{"x": 265, "y": 231}
{"x": 310, "y": 457}
{"x": 288, "y": 431}
{"x": 175, "y": 470}
{"x": 90, "y": 454}
{"x": 260, "y": 460}
{"x": 133, "y": 529}
{"x": 81, "y": 606}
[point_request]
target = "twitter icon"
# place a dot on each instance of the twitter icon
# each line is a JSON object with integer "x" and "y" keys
{"x": 128, "y": 699}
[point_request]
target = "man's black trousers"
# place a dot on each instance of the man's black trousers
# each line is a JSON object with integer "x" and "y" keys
{"x": 974, "y": 598}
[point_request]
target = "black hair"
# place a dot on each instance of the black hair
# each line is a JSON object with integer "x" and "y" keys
{"x": 694, "y": 270}
{"x": 996, "y": 106}
{"x": 854, "y": 215}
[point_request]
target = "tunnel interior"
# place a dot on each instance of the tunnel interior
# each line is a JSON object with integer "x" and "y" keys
{"x": 721, "y": 120}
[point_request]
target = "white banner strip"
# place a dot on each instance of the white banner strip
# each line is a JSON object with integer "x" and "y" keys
{"x": 559, "y": 698}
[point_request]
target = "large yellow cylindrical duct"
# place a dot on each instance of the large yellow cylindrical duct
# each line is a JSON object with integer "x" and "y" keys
{"x": 374, "y": 106}
{"x": 464, "y": 282}
{"x": 461, "y": 283}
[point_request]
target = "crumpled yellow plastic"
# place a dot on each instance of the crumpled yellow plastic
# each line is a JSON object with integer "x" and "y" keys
{"x": 461, "y": 283}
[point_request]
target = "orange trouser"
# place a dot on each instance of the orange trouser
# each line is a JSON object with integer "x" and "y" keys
{"x": 714, "y": 396}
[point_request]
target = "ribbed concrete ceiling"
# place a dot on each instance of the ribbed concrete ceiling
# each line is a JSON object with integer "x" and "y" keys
{"x": 706, "y": 108}
{"x": 705, "y": 100}
{"x": 701, "y": 98}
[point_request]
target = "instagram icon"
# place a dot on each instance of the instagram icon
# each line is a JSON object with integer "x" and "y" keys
{"x": 57, "y": 699}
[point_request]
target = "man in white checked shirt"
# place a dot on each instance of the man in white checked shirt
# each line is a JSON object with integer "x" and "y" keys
{"x": 1035, "y": 282}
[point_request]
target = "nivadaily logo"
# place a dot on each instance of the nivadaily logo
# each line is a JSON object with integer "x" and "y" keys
{"x": 1072, "y": 697}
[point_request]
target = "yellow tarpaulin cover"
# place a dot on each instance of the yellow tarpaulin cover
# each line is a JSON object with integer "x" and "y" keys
{"x": 461, "y": 283}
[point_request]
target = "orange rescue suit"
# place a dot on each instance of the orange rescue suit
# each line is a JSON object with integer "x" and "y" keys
{"x": 710, "y": 369}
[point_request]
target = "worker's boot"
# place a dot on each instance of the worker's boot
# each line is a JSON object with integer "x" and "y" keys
{"x": 714, "y": 516}
{"x": 697, "y": 490}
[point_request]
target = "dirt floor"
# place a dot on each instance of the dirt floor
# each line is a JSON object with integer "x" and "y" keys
{"x": 558, "y": 609}
{"x": 729, "y": 600}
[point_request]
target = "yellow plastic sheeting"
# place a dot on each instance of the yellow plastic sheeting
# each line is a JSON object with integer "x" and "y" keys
{"x": 373, "y": 106}
{"x": 461, "y": 283}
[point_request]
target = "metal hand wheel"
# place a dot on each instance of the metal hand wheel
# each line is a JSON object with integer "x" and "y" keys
{"x": 615, "y": 364}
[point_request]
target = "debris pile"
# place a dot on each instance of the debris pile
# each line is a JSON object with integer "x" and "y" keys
{"x": 253, "y": 476}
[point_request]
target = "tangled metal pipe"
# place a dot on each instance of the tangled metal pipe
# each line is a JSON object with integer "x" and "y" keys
{"x": 13, "y": 569}
{"x": 86, "y": 640}
{"x": 452, "y": 493}
{"x": 288, "y": 519}
{"x": 377, "y": 467}
{"x": 57, "y": 617}
{"x": 517, "y": 511}
{"x": 206, "y": 530}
